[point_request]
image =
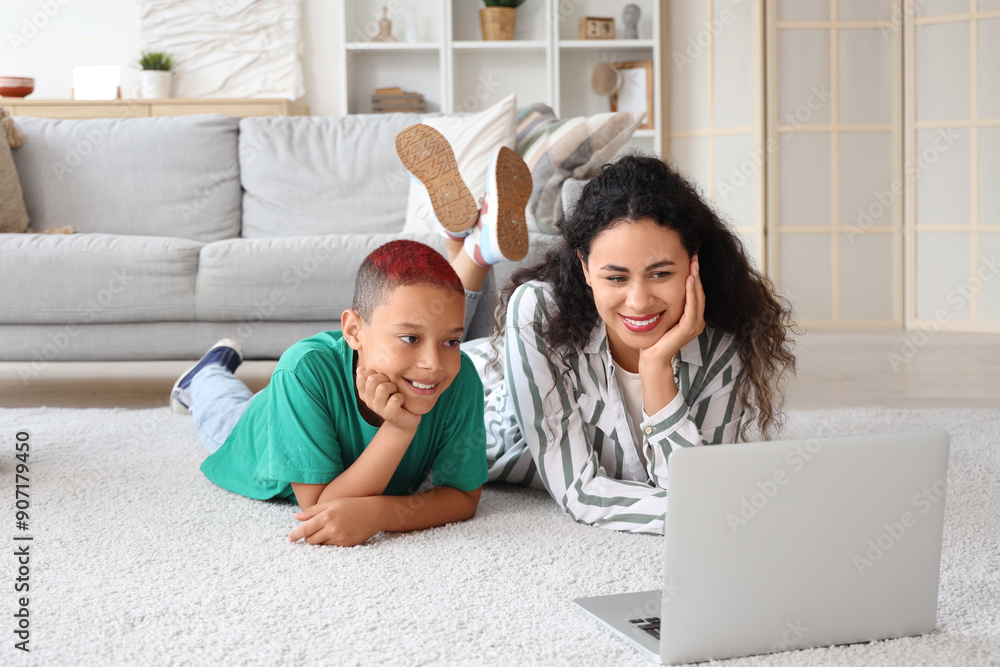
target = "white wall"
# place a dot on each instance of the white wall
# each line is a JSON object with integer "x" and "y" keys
{"x": 46, "y": 39}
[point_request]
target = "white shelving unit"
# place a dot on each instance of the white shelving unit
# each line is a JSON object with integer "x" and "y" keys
{"x": 456, "y": 70}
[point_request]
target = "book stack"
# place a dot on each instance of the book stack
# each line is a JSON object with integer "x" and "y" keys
{"x": 394, "y": 100}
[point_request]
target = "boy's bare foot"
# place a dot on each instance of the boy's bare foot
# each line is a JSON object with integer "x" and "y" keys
{"x": 501, "y": 233}
{"x": 427, "y": 155}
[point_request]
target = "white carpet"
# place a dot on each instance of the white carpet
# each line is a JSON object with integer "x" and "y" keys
{"x": 138, "y": 558}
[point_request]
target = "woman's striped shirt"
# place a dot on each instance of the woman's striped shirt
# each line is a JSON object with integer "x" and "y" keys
{"x": 570, "y": 432}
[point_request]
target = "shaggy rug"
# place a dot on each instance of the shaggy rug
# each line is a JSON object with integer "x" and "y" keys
{"x": 137, "y": 559}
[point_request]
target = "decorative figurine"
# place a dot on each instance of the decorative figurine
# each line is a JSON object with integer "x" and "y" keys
{"x": 384, "y": 28}
{"x": 630, "y": 16}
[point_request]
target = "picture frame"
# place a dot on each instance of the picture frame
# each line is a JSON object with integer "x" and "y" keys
{"x": 636, "y": 90}
{"x": 96, "y": 82}
{"x": 597, "y": 27}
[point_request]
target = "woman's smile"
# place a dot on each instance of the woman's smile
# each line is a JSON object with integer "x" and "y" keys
{"x": 643, "y": 324}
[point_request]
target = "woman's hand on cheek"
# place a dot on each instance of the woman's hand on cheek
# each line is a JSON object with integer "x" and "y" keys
{"x": 689, "y": 327}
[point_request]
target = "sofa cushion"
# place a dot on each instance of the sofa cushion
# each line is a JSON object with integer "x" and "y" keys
{"x": 314, "y": 175}
{"x": 176, "y": 176}
{"x": 293, "y": 278}
{"x": 90, "y": 278}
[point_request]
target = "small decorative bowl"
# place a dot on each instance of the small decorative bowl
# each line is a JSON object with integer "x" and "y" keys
{"x": 16, "y": 86}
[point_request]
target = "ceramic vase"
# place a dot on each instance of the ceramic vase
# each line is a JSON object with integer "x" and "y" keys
{"x": 154, "y": 84}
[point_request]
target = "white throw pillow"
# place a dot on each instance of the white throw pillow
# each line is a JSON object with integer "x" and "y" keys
{"x": 475, "y": 140}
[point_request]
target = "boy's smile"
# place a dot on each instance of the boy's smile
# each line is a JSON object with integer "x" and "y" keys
{"x": 413, "y": 339}
{"x": 422, "y": 389}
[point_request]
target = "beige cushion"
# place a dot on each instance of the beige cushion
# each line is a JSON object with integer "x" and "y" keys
{"x": 13, "y": 213}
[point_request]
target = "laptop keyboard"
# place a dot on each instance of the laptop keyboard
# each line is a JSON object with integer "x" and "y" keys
{"x": 650, "y": 625}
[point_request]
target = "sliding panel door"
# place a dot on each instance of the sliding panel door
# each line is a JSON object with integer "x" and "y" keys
{"x": 953, "y": 165}
{"x": 714, "y": 63}
{"x": 835, "y": 177}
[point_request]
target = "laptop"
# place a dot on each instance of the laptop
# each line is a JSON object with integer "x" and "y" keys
{"x": 784, "y": 545}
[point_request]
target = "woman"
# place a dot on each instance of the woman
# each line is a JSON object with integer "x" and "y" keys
{"x": 644, "y": 330}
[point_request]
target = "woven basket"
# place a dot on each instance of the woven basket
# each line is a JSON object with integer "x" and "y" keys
{"x": 497, "y": 23}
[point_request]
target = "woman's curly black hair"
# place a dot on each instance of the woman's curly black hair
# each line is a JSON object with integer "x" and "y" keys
{"x": 738, "y": 298}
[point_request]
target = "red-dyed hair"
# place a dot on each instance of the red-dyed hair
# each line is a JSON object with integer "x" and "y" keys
{"x": 398, "y": 263}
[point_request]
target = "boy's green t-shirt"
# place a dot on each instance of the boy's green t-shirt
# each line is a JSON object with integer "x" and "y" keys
{"x": 305, "y": 427}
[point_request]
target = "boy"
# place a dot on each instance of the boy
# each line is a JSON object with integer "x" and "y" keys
{"x": 355, "y": 422}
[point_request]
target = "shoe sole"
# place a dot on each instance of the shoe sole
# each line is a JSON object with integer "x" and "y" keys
{"x": 426, "y": 154}
{"x": 513, "y": 184}
{"x": 178, "y": 407}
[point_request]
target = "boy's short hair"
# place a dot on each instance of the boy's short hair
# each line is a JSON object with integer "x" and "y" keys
{"x": 398, "y": 263}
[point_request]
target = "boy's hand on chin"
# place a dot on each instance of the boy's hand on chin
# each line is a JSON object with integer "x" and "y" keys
{"x": 382, "y": 397}
{"x": 690, "y": 326}
{"x": 344, "y": 522}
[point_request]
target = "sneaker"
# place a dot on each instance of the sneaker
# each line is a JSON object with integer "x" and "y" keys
{"x": 227, "y": 352}
{"x": 427, "y": 155}
{"x": 501, "y": 233}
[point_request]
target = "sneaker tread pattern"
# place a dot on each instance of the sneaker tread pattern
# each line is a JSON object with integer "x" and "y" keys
{"x": 513, "y": 179}
{"x": 426, "y": 154}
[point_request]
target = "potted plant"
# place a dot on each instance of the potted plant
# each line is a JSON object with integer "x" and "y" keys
{"x": 155, "y": 77}
{"x": 497, "y": 19}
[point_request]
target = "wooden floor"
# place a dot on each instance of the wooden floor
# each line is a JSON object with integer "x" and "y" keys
{"x": 895, "y": 369}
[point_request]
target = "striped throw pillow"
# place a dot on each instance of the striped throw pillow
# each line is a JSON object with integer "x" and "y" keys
{"x": 556, "y": 150}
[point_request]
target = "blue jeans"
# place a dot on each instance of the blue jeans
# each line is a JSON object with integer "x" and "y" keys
{"x": 218, "y": 400}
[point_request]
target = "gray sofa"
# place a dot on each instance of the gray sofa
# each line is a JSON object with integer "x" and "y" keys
{"x": 196, "y": 227}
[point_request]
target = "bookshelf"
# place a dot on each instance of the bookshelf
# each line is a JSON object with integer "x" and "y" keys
{"x": 455, "y": 70}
